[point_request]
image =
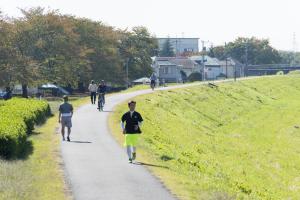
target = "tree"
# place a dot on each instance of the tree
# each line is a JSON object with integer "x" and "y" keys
{"x": 167, "y": 49}
{"x": 196, "y": 76}
{"x": 45, "y": 46}
{"x": 289, "y": 57}
{"x": 251, "y": 50}
{"x": 217, "y": 52}
{"x": 137, "y": 47}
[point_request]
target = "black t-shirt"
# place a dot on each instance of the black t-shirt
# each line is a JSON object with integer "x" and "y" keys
{"x": 132, "y": 122}
{"x": 102, "y": 89}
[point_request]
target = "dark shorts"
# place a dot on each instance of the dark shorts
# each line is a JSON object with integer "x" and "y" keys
{"x": 66, "y": 122}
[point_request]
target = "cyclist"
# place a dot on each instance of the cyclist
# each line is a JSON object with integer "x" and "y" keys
{"x": 101, "y": 91}
{"x": 153, "y": 79}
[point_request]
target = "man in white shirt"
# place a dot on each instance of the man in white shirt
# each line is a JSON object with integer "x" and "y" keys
{"x": 93, "y": 90}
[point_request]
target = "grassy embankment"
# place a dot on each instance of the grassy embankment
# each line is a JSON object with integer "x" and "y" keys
{"x": 240, "y": 140}
{"x": 38, "y": 174}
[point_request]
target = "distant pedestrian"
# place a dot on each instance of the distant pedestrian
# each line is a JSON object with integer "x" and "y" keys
{"x": 8, "y": 93}
{"x": 65, "y": 117}
{"x": 131, "y": 122}
{"x": 93, "y": 90}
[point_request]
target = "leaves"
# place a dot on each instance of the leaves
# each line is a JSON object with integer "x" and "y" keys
{"x": 45, "y": 46}
{"x": 18, "y": 117}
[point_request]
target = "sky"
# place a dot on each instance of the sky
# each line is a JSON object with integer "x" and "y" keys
{"x": 214, "y": 21}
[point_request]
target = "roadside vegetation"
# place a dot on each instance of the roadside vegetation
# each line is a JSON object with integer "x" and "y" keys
{"x": 36, "y": 173}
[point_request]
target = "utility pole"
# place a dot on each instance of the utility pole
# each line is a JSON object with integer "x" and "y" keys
{"x": 127, "y": 79}
{"x": 294, "y": 49}
{"x": 203, "y": 64}
{"x": 226, "y": 61}
{"x": 235, "y": 72}
{"x": 246, "y": 56}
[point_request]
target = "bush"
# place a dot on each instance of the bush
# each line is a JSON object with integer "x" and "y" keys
{"x": 17, "y": 120}
{"x": 12, "y": 136}
{"x": 280, "y": 73}
{"x": 294, "y": 72}
{"x": 195, "y": 77}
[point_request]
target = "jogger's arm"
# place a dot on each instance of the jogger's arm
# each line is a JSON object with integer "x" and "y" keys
{"x": 59, "y": 116}
{"x": 123, "y": 127}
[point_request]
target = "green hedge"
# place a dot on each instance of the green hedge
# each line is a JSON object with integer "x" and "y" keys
{"x": 17, "y": 120}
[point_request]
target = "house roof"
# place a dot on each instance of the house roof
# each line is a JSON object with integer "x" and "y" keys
{"x": 184, "y": 62}
{"x": 142, "y": 80}
{"x": 177, "y": 38}
{"x": 164, "y": 62}
{"x": 230, "y": 61}
{"x": 209, "y": 60}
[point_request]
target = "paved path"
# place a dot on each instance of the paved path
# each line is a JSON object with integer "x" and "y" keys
{"x": 97, "y": 167}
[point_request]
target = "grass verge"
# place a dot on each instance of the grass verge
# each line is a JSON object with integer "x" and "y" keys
{"x": 37, "y": 176}
{"x": 240, "y": 140}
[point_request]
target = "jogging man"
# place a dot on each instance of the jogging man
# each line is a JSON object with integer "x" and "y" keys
{"x": 93, "y": 89}
{"x": 131, "y": 122}
{"x": 102, "y": 90}
{"x": 65, "y": 117}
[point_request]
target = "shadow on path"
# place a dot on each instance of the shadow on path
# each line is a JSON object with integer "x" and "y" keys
{"x": 86, "y": 142}
{"x": 150, "y": 165}
{"x": 110, "y": 111}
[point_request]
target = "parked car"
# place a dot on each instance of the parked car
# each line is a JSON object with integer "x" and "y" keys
{"x": 5, "y": 95}
{"x": 2, "y": 95}
{"x": 55, "y": 90}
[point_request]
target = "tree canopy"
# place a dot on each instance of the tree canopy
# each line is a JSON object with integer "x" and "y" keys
{"x": 251, "y": 50}
{"x": 46, "y": 46}
{"x": 167, "y": 49}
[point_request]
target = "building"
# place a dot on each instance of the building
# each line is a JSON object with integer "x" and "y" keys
{"x": 180, "y": 45}
{"x": 166, "y": 70}
{"x": 186, "y": 65}
{"x": 212, "y": 69}
{"x": 230, "y": 66}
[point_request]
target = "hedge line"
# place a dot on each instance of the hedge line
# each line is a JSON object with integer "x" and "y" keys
{"x": 17, "y": 120}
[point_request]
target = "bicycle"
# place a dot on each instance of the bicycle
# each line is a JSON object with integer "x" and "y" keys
{"x": 152, "y": 85}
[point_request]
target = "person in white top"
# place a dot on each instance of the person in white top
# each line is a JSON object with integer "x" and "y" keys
{"x": 93, "y": 90}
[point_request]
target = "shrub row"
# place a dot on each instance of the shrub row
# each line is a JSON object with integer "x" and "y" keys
{"x": 17, "y": 120}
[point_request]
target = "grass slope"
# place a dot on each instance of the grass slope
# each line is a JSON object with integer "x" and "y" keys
{"x": 238, "y": 141}
{"x": 38, "y": 175}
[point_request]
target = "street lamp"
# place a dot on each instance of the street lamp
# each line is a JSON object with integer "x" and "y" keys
{"x": 127, "y": 79}
{"x": 203, "y": 58}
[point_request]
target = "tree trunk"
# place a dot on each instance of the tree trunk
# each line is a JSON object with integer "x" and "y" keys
{"x": 24, "y": 91}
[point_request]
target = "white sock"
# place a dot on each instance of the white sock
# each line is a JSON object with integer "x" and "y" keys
{"x": 129, "y": 152}
{"x": 133, "y": 149}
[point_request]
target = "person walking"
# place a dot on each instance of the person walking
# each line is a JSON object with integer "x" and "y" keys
{"x": 65, "y": 117}
{"x": 131, "y": 122}
{"x": 93, "y": 90}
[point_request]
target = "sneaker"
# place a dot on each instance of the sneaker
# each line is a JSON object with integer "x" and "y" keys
{"x": 68, "y": 138}
{"x": 133, "y": 155}
{"x": 63, "y": 139}
{"x": 130, "y": 160}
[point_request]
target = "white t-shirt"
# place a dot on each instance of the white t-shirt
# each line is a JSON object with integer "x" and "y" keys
{"x": 93, "y": 87}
